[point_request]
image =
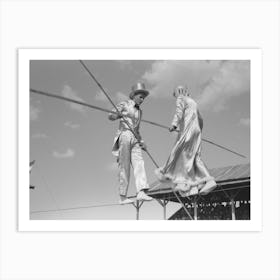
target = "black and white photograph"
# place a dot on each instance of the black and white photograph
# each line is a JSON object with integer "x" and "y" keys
{"x": 140, "y": 139}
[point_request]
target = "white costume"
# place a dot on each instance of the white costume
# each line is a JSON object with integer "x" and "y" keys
{"x": 127, "y": 149}
{"x": 184, "y": 166}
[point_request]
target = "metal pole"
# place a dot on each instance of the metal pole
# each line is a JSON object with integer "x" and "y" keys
{"x": 137, "y": 210}
{"x": 117, "y": 110}
{"x": 163, "y": 203}
{"x": 137, "y": 204}
{"x": 203, "y": 139}
{"x": 232, "y": 204}
{"x": 164, "y": 209}
{"x": 195, "y": 209}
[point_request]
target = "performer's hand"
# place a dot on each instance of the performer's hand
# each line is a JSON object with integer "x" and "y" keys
{"x": 143, "y": 145}
{"x": 172, "y": 128}
{"x": 119, "y": 115}
{"x": 122, "y": 114}
{"x": 115, "y": 116}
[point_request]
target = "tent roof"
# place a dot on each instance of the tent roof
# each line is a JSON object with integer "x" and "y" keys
{"x": 235, "y": 172}
{"x": 229, "y": 177}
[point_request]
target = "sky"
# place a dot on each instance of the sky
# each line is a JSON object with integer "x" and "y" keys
{"x": 72, "y": 144}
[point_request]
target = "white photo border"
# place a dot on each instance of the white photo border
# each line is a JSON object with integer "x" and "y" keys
{"x": 24, "y": 57}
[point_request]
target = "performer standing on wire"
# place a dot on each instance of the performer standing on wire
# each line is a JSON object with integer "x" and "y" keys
{"x": 184, "y": 165}
{"x": 127, "y": 148}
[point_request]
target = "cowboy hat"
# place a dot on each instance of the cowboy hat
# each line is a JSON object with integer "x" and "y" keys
{"x": 138, "y": 88}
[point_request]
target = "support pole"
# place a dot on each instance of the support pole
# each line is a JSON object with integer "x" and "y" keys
{"x": 232, "y": 204}
{"x": 164, "y": 209}
{"x": 163, "y": 203}
{"x": 195, "y": 209}
{"x": 137, "y": 204}
{"x": 137, "y": 210}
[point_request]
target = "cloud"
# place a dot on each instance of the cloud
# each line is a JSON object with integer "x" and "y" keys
{"x": 244, "y": 121}
{"x": 39, "y": 136}
{"x": 164, "y": 76}
{"x": 34, "y": 113}
{"x": 212, "y": 83}
{"x": 72, "y": 125}
{"x": 67, "y": 91}
{"x": 230, "y": 80}
{"x": 68, "y": 154}
{"x": 120, "y": 97}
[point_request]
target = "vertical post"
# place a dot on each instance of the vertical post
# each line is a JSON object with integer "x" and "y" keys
{"x": 163, "y": 203}
{"x": 137, "y": 204}
{"x": 137, "y": 209}
{"x": 232, "y": 204}
{"x": 195, "y": 209}
{"x": 164, "y": 209}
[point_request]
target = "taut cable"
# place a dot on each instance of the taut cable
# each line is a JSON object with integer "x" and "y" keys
{"x": 113, "y": 112}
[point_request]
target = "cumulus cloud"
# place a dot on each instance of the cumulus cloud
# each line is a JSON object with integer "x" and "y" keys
{"x": 244, "y": 121}
{"x": 39, "y": 136}
{"x": 68, "y": 154}
{"x": 34, "y": 113}
{"x": 72, "y": 125}
{"x": 165, "y": 75}
{"x": 211, "y": 82}
{"x": 121, "y": 97}
{"x": 67, "y": 91}
{"x": 230, "y": 80}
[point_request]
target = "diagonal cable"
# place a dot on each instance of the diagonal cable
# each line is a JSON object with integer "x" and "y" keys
{"x": 117, "y": 110}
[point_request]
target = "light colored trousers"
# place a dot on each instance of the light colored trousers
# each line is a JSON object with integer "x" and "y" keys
{"x": 130, "y": 152}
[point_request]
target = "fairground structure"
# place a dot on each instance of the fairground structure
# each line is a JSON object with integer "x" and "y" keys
{"x": 231, "y": 194}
